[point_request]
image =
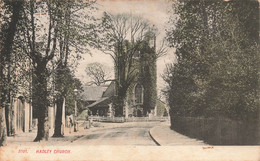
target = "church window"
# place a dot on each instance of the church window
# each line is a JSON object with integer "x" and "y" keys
{"x": 138, "y": 94}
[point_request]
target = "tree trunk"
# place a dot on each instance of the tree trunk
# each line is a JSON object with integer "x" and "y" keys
{"x": 43, "y": 127}
{"x": 58, "y": 132}
{"x": 7, "y": 118}
{"x": 12, "y": 117}
{"x": 60, "y": 87}
{"x": 2, "y": 127}
{"x": 41, "y": 101}
{"x": 119, "y": 103}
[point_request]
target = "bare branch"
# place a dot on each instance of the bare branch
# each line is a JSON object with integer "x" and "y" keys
{"x": 162, "y": 50}
{"x": 98, "y": 73}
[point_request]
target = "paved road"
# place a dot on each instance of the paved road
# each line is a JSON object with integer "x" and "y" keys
{"x": 131, "y": 133}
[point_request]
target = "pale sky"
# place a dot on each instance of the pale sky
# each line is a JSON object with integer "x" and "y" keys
{"x": 155, "y": 11}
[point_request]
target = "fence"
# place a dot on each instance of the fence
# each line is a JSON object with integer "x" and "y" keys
{"x": 130, "y": 119}
{"x": 146, "y": 119}
{"x": 220, "y": 131}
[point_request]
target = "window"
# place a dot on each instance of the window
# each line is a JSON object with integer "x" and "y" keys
{"x": 138, "y": 94}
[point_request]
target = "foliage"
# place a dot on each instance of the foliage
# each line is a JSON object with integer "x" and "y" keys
{"x": 10, "y": 54}
{"x": 74, "y": 35}
{"x": 67, "y": 83}
{"x": 45, "y": 32}
{"x": 49, "y": 37}
{"x": 83, "y": 115}
{"x": 217, "y": 50}
{"x": 8, "y": 30}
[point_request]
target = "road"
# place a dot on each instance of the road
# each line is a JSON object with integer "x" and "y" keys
{"x": 129, "y": 133}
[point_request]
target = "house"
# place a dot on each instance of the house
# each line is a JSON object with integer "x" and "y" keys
{"x": 18, "y": 111}
{"x": 20, "y": 116}
{"x": 20, "y": 119}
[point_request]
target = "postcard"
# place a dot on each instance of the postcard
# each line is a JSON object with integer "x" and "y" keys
{"x": 129, "y": 80}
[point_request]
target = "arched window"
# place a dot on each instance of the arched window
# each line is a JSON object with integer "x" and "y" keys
{"x": 138, "y": 94}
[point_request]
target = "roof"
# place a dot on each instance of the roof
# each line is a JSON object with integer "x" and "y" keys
{"x": 103, "y": 101}
{"x": 102, "y": 95}
{"x": 93, "y": 93}
{"x": 110, "y": 91}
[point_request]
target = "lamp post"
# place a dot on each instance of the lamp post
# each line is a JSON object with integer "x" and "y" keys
{"x": 75, "y": 110}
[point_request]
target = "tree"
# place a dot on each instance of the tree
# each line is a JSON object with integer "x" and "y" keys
{"x": 66, "y": 83}
{"x": 49, "y": 31}
{"x": 98, "y": 73}
{"x": 71, "y": 96}
{"x": 74, "y": 34}
{"x": 6, "y": 51}
{"x": 38, "y": 39}
{"x": 213, "y": 40}
{"x": 121, "y": 38}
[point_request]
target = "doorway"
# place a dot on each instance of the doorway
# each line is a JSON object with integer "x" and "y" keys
{"x": 20, "y": 115}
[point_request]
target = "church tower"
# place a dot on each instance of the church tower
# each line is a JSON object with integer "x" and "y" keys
{"x": 143, "y": 93}
{"x": 148, "y": 73}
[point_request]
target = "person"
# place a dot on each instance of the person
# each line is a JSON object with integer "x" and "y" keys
{"x": 70, "y": 124}
{"x": 88, "y": 122}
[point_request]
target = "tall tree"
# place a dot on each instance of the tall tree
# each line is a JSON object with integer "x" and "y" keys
{"x": 214, "y": 41}
{"x": 8, "y": 34}
{"x": 189, "y": 51}
{"x": 74, "y": 35}
{"x": 38, "y": 39}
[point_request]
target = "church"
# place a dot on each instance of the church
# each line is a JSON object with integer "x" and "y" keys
{"x": 141, "y": 95}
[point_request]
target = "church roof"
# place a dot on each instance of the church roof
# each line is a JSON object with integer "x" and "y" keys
{"x": 101, "y": 102}
{"x": 110, "y": 91}
{"x": 93, "y": 93}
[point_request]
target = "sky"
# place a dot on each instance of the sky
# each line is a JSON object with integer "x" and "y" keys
{"x": 154, "y": 11}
